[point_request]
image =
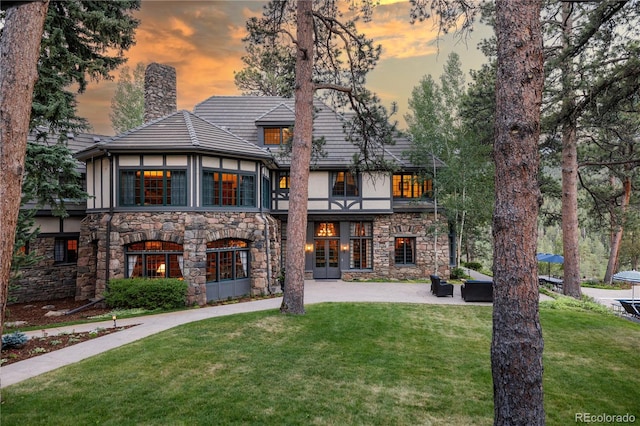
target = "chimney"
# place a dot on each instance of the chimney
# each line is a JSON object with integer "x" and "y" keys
{"x": 159, "y": 91}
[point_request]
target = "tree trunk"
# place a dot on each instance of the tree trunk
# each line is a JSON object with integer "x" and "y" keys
{"x": 617, "y": 229}
{"x": 293, "y": 300}
{"x": 19, "y": 53}
{"x": 570, "y": 231}
{"x": 517, "y": 344}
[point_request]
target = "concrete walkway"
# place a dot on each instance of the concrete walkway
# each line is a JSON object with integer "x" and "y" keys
{"x": 315, "y": 292}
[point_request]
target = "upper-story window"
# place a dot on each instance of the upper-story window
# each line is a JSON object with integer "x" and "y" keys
{"x": 153, "y": 187}
{"x": 266, "y": 192}
{"x": 277, "y": 135}
{"x": 344, "y": 184}
{"x": 228, "y": 189}
{"x": 284, "y": 181}
{"x": 409, "y": 185}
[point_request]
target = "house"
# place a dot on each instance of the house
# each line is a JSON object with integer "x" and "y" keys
{"x": 203, "y": 196}
{"x": 54, "y": 276}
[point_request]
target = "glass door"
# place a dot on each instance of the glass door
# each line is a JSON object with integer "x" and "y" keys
{"x": 327, "y": 250}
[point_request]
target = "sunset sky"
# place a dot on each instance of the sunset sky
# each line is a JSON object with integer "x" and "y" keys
{"x": 203, "y": 41}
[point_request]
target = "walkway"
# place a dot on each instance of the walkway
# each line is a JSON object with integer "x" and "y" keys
{"x": 315, "y": 292}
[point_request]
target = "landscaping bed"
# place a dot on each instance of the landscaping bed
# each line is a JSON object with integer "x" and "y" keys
{"x": 20, "y": 316}
{"x": 47, "y": 343}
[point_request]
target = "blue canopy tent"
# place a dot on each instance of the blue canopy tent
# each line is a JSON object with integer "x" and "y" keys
{"x": 549, "y": 258}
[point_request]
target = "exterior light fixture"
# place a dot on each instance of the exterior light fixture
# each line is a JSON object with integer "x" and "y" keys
{"x": 114, "y": 321}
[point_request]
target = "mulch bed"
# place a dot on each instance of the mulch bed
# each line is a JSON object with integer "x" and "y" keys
{"x": 47, "y": 343}
{"x": 34, "y": 315}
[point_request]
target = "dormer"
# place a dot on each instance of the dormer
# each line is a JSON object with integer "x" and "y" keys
{"x": 275, "y": 127}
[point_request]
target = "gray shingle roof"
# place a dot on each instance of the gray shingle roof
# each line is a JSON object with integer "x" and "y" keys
{"x": 242, "y": 115}
{"x": 279, "y": 114}
{"x": 180, "y": 131}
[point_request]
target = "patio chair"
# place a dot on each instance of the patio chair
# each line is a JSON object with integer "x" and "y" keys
{"x": 631, "y": 307}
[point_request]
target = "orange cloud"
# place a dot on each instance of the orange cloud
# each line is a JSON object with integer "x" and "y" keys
{"x": 203, "y": 41}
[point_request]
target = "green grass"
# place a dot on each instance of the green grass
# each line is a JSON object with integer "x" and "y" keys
{"x": 373, "y": 364}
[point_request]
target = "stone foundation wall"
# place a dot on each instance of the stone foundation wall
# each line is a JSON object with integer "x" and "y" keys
{"x": 421, "y": 226}
{"x": 45, "y": 280}
{"x": 103, "y": 239}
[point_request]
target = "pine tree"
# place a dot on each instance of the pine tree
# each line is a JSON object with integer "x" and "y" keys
{"x": 19, "y": 47}
{"x": 333, "y": 58}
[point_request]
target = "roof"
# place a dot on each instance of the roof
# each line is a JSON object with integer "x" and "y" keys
{"x": 242, "y": 115}
{"x": 74, "y": 141}
{"x": 178, "y": 132}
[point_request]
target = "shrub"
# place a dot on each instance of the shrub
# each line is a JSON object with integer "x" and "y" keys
{"x": 457, "y": 273}
{"x": 476, "y": 266}
{"x": 152, "y": 294}
{"x": 16, "y": 339}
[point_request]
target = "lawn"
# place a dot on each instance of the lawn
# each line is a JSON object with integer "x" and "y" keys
{"x": 342, "y": 363}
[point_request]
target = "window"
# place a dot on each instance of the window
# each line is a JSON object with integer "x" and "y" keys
{"x": 227, "y": 259}
{"x": 408, "y": 185}
{"x": 277, "y": 135}
{"x": 228, "y": 189}
{"x": 344, "y": 184}
{"x": 153, "y": 187}
{"x": 360, "y": 245}
{"x": 284, "y": 180}
{"x": 405, "y": 248}
{"x": 266, "y": 192}
{"x": 154, "y": 259}
{"x": 65, "y": 250}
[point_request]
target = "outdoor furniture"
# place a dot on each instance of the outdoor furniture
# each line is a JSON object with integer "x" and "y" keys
{"x": 555, "y": 283}
{"x": 632, "y": 307}
{"x": 440, "y": 287}
{"x": 477, "y": 291}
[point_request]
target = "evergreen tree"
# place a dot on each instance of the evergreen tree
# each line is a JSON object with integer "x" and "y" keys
{"x": 82, "y": 41}
{"x": 592, "y": 76}
{"x": 517, "y": 343}
{"x": 19, "y": 47}
{"x": 333, "y": 58}
{"x": 269, "y": 71}
{"x": 127, "y": 104}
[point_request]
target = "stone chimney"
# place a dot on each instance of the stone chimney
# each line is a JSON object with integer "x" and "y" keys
{"x": 159, "y": 91}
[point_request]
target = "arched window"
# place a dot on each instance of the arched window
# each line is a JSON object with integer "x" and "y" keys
{"x": 154, "y": 259}
{"x": 227, "y": 259}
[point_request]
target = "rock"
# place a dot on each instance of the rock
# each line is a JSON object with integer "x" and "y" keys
{"x": 15, "y": 324}
{"x": 48, "y": 307}
{"x": 55, "y": 313}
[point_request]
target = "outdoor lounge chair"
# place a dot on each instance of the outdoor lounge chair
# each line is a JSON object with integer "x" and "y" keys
{"x": 440, "y": 287}
{"x": 631, "y": 307}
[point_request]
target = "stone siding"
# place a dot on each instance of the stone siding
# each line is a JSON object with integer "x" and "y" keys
{"x": 46, "y": 280}
{"x": 160, "y": 96}
{"x": 103, "y": 240}
{"x": 420, "y": 226}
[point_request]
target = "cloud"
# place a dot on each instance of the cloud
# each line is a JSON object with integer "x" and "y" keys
{"x": 390, "y": 28}
{"x": 203, "y": 41}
